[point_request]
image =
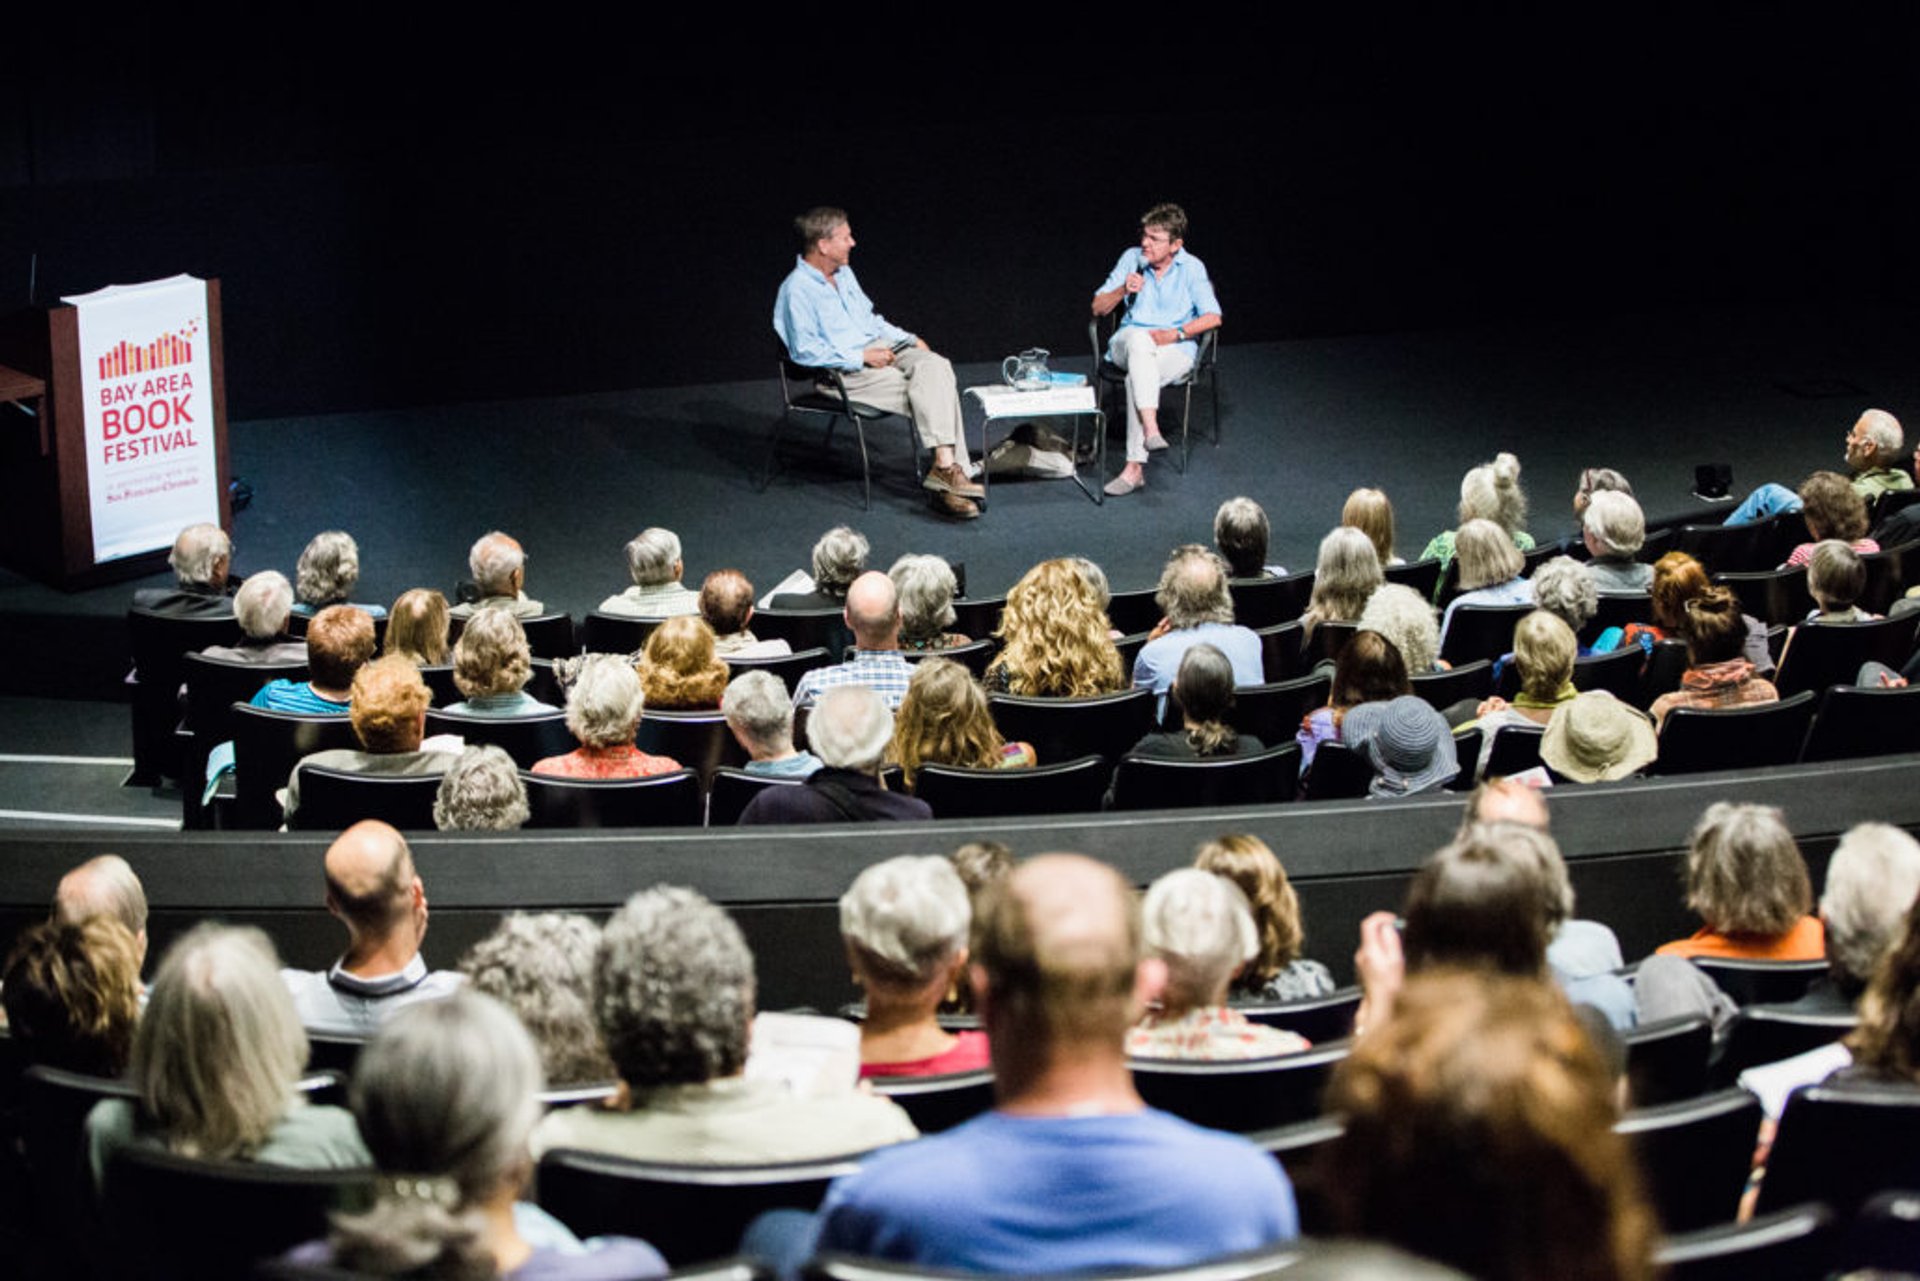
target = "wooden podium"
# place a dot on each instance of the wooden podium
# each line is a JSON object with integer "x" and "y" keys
{"x": 46, "y": 513}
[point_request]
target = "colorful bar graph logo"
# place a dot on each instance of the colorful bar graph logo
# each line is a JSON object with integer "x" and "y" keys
{"x": 124, "y": 359}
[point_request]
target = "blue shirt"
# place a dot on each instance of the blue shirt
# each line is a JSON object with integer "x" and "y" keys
{"x": 1159, "y": 660}
{"x": 827, "y": 326}
{"x": 1166, "y": 301}
{"x": 295, "y": 696}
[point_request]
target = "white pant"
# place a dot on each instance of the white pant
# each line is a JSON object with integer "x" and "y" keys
{"x": 1149, "y": 367}
{"x": 919, "y": 384}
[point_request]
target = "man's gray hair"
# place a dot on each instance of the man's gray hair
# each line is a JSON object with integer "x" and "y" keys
{"x": 838, "y": 558}
{"x": 328, "y": 569}
{"x": 756, "y": 704}
{"x": 1883, "y": 429}
{"x": 652, "y": 555}
{"x": 105, "y": 885}
{"x": 1871, "y": 883}
{"x": 481, "y": 792}
{"x": 263, "y": 603}
{"x": 1565, "y": 589}
{"x": 907, "y": 916}
{"x": 1406, "y": 618}
{"x": 1616, "y": 522}
{"x": 605, "y": 702}
{"x": 195, "y": 552}
{"x": 540, "y": 966}
{"x": 1193, "y": 588}
{"x": 850, "y": 727}
{"x": 673, "y": 989}
{"x": 493, "y": 562}
{"x": 926, "y": 586}
{"x": 1202, "y": 926}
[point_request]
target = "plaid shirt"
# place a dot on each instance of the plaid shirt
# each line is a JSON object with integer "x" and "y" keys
{"x": 883, "y": 670}
{"x": 1728, "y": 684}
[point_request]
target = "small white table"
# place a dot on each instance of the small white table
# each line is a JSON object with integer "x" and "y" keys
{"x": 998, "y": 400}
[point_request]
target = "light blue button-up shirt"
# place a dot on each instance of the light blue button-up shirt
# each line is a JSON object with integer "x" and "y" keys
{"x": 1166, "y": 301}
{"x": 827, "y": 326}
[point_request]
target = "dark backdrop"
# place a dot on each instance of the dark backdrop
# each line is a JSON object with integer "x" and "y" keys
{"x": 413, "y": 209}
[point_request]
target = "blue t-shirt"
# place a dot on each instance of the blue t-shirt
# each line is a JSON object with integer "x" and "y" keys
{"x": 1062, "y": 1194}
{"x": 295, "y": 696}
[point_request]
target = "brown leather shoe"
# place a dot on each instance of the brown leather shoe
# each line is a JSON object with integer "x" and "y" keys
{"x": 955, "y": 506}
{"x": 952, "y": 480}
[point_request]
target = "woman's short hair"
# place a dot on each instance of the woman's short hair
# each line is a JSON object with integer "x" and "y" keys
{"x": 1832, "y": 507}
{"x": 1202, "y": 927}
{"x": 838, "y": 558}
{"x": 905, "y": 918}
{"x": 540, "y": 966}
{"x": 491, "y": 656}
{"x": 673, "y": 989}
{"x": 1479, "y": 902}
{"x": 481, "y": 792}
{"x": 943, "y": 720}
{"x": 1250, "y": 864}
{"x": 1193, "y": 588}
{"x": 1836, "y": 576}
{"x": 1054, "y": 635}
{"x": 328, "y": 569}
{"x": 603, "y": 707}
{"x": 417, "y": 626}
{"x": 678, "y": 667}
{"x": 652, "y": 555}
{"x": 1479, "y": 1134}
{"x": 72, "y": 994}
{"x": 263, "y": 603}
{"x": 1368, "y": 511}
{"x": 1241, "y": 534}
{"x": 1614, "y": 521}
{"x": 1563, "y": 587}
{"x": 220, "y": 1046}
{"x": 446, "y": 1095}
{"x": 1486, "y": 554}
{"x": 1406, "y": 618}
{"x": 1368, "y": 670}
{"x": 339, "y": 643}
{"x": 1714, "y": 628}
{"x": 1745, "y": 875}
{"x": 1677, "y": 579}
{"x": 926, "y": 586}
{"x": 1346, "y": 574}
{"x": 1492, "y": 492}
{"x": 1544, "y": 649}
{"x": 388, "y": 698}
{"x": 757, "y": 705}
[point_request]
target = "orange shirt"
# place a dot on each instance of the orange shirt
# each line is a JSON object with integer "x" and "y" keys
{"x": 1806, "y": 941}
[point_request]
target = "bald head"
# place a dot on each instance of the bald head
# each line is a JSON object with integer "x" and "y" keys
{"x": 1504, "y": 801}
{"x": 371, "y": 883}
{"x": 873, "y": 611}
{"x": 104, "y": 886}
{"x": 1875, "y": 440}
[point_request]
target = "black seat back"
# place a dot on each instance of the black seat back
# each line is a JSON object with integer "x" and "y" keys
{"x": 1618, "y": 673}
{"x": 1241, "y": 1095}
{"x": 615, "y": 633}
{"x": 788, "y": 667}
{"x": 160, "y": 644}
{"x": 941, "y": 1102}
{"x": 1264, "y": 778}
{"x": 1667, "y": 1059}
{"x": 1617, "y": 609}
{"x": 804, "y": 629}
{"x": 974, "y": 655}
{"x": 1070, "y": 787}
{"x": 1065, "y": 729}
{"x": 527, "y": 739}
{"x": 1695, "y": 1155}
{"x": 1337, "y": 773}
{"x": 333, "y": 800}
{"x": 1823, "y": 654}
{"x": 1442, "y": 690}
{"x": 266, "y": 747}
{"x": 1855, "y": 721}
{"x": 1515, "y": 748}
{"x": 662, "y": 800}
{"x": 1130, "y": 612}
{"x": 1272, "y": 712}
{"x": 1761, "y": 982}
{"x": 550, "y": 635}
{"x": 1771, "y": 595}
{"x": 699, "y": 741}
{"x": 1841, "y": 1143}
{"x": 1481, "y": 631}
{"x": 1262, "y": 602}
{"x": 1766, "y": 1034}
{"x": 1319, "y": 1019}
{"x": 731, "y": 789}
{"x": 1421, "y": 575}
{"x": 1696, "y": 740}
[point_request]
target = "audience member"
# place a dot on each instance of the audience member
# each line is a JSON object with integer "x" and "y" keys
{"x": 1718, "y": 674}
{"x": 1403, "y": 616}
{"x": 1277, "y": 972}
{"x": 1490, "y": 492}
{"x": 1347, "y": 573}
{"x": 261, "y": 607}
{"x": 105, "y": 885}
{"x": 1490, "y": 568}
{"x": 1543, "y": 650}
{"x": 760, "y": 715}
{"x": 1873, "y": 454}
{"x": 1197, "y": 606}
{"x": 1406, "y": 742}
{"x": 1071, "y": 1172}
{"x": 72, "y": 995}
{"x": 1203, "y": 693}
{"x": 1615, "y": 529}
{"x": 1593, "y": 737}
{"x": 417, "y": 630}
{"x": 872, "y": 614}
{"x": 1201, "y": 929}
{"x": 925, "y": 587}
{"x": 1240, "y": 535}
{"x": 1886, "y": 1045}
{"x": 679, "y": 670}
{"x": 499, "y": 568}
{"x": 726, "y": 603}
{"x": 339, "y": 643}
{"x": 1749, "y": 884}
{"x": 540, "y": 966}
{"x": 1564, "y": 588}
{"x": 201, "y": 557}
{"x": 1368, "y": 670}
{"x": 1368, "y": 511}
{"x": 372, "y": 890}
{"x": 491, "y": 666}
{"x": 1055, "y": 641}
{"x": 838, "y": 558}
{"x": 389, "y": 714}
{"x": 673, "y": 992}
{"x": 905, "y": 924}
{"x": 981, "y": 864}
{"x": 1831, "y": 508}
{"x": 481, "y": 792}
{"x": 1836, "y": 577}
{"x": 1597, "y": 480}
{"x": 943, "y": 720}
{"x": 849, "y": 731}
{"x": 327, "y": 573}
{"x": 603, "y": 712}
{"x": 653, "y": 560}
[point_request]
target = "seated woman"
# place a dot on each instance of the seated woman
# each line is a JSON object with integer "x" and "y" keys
{"x": 417, "y": 630}
{"x": 540, "y": 966}
{"x": 1406, "y": 618}
{"x": 326, "y": 574}
{"x": 943, "y": 720}
{"x": 1203, "y": 691}
{"x": 481, "y": 792}
{"x": 1277, "y": 971}
{"x": 1492, "y": 492}
{"x": 1490, "y": 568}
{"x": 1199, "y": 926}
{"x": 1677, "y": 579}
{"x": 1562, "y": 588}
{"x": 905, "y": 924}
{"x": 603, "y": 711}
{"x": 1054, "y": 638}
{"x": 1718, "y": 673}
{"x": 926, "y": 586}
{"x": 72, "y": 995}
{"x": 491, "y": 664}
{"x": 1368, "y": 511}
{"x": 1746, "y": 879}
{"x": 679, "y": 670}
{"x": 1832, "y": 508}
{"x": 1368, "y": 670}
{"x": 1596, "y": 480}
{"x": 1615, "y": 529}
{"x": 1836, "y": 579}
{"x": 1406, "y": 742}
{"x": 215, "y": 1058}
{"x": 446, "y": 1096}
{"x": 1347, "y": 572}
{"x": 1543, "y": 649}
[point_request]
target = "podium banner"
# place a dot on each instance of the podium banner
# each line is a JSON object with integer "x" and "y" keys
{"x": 147, "y": 384}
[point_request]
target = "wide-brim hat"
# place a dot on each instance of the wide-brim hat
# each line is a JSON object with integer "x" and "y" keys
{"x": 1595, "y": 738}
{"x": 1406, "y": 741}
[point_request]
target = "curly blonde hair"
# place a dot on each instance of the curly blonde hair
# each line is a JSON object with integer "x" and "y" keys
{"x": 678, "y": 667}
{"x": 943, "y": 720}
{"x": 1053, "y": 633}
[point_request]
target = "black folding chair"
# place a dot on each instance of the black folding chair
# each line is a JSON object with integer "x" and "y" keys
{"x": 1264, "y": 778}
{"x": 662, "y": 800}
{"x": 1695, "y": 1154}
{"x": 1243, "y": 1094}
{"x": 1069, "y": 787}
{"x": 940, "y": 1102}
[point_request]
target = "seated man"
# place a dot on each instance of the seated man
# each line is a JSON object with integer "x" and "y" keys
{"x": 1198, "y": 607}
{"x": 1240, "y": 535}
{"x": 827, "y": 322}
{"x": 674, "y": 996}
{"x": 373, "y": 890}
{"x": 201, "y": 557}
{"x": 849, "y": 731}
{"x": 499, "y": 569}
{"x": 653, "y": 559}
{"x": 726, "y": 602}
{"x": 760, "y": 715}
{"x": 1072, "y": 1172}
{"x": 1873, "y": 453}
{"x": 262, "y": 607}
{"x": 1169, "y": 302}
{"x": 339, "y": 642}
{"x": 872, "y": 614}
{"x": 389, "y": 711}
